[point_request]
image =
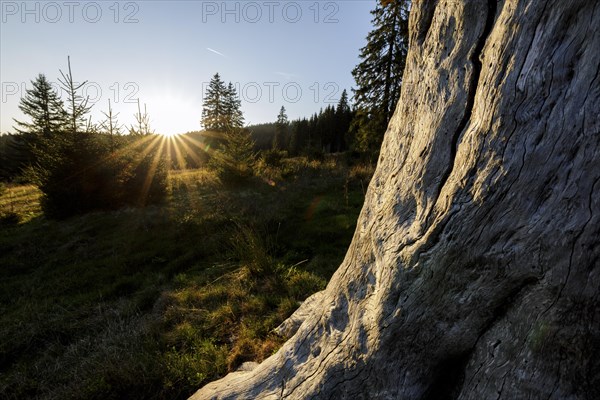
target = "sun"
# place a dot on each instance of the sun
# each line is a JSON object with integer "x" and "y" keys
{"x": 171, "y": 115}
{"x": 169, "y": 135}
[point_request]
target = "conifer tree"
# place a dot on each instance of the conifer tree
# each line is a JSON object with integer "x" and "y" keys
{"x": 299, "y": 131}
{"x": 343, "y": 117}
{"x": 281, "y": 127}
{"x": 379, "y": 74}
{"x": 214, "y": 110}
{"x": 234, "y": 119}
{"x": 326, "y": 127}
{"x": 111, "y": 125}
{"x": 77, "y": 106}
{"x": 343, "y": 106}
{"x": 234, "y": 159}
{"x": 45, "y": 108}
{"x": 222, "y": 109}
{"x": 142, "y": 121}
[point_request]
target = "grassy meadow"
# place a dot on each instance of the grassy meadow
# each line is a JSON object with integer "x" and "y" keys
{"x": 155, "y": 302}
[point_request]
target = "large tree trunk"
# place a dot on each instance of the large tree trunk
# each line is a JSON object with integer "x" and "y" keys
{"x": 474, "y": 271}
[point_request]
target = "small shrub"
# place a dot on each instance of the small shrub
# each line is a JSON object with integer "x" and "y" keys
{"x": 315, "y": 154}
{"x": 272, "y": 158}
{"x": 80, "y": 173}
{"x": 234, "y": 161}
{"x": 252, "y": 250}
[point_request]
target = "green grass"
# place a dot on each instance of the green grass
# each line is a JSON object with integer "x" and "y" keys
{"x": 156, "y": 302}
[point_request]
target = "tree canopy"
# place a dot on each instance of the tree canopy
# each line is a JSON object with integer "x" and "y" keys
{"x": 42, "y": 104}
{"x": 222, "y": 107}
{"x": 379, "y": 74}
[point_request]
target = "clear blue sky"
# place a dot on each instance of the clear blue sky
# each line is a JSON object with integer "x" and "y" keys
{"x": 298, "y": 54}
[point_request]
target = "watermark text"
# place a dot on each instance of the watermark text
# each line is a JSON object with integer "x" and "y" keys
{"x": 270, "y": 11}
{"x": 289, "y": 92}
{"x": 69, "y": 11}
{"x": 117, "y": 92}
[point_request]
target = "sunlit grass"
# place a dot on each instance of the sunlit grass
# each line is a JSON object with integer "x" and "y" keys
{"x": 20, "y": 201}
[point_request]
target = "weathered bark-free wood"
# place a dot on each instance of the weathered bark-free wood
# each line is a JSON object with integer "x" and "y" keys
{"x": 474, "y": 272}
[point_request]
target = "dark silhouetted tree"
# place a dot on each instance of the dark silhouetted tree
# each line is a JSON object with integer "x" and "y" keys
{"x": 221, "y": 112}
{"x": 77, "y": 105}
{"x": 142, "y": 120}
{"x": 326, "y": 127}
{"x": 298, "y": 136}
{"x": 281, "y": 127}
{"x": 111, "y": 125}
{"x": 343, "y": 118}
{"x": 43, "y": 106}
{"x": 215, "y": 108}
{"x": 234, "y": 118}
{"x": 379, "y": 74}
